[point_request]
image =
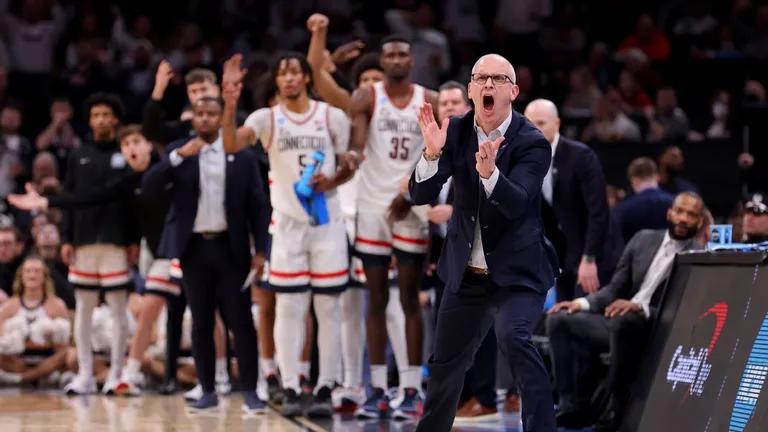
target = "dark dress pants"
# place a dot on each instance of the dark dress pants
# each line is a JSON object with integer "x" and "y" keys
{"x": 211, "y": 280}
{"x": 464, "y": 319}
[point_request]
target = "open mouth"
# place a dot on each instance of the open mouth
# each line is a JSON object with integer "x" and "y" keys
{"x": 488, "y": 102}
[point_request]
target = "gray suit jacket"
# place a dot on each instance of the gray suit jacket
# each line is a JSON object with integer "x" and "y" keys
{"x": 630, "y": 272}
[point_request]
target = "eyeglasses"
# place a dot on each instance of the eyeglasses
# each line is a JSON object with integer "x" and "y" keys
{"x": 498, "y": 79}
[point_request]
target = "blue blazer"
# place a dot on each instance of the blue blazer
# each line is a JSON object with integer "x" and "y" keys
{"x": 246, "y": 205}
{"x": 516, "y": 250}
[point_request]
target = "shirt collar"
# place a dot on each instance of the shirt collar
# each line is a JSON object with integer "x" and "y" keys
{"x": 216, "y": 146}
{"x": 502, "y": 127}
{"x": 677, "y": 244}
{"x": 555, "y": 142}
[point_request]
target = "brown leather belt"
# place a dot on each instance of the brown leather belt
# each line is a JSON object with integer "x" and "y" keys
{"x": 477, "y": 270}
{"x": 211, "y": 235}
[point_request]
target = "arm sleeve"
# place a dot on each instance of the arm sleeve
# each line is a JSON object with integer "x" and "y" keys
{"x": 339, "y": 127}
{"x": 516, "y": 191}
{"x": 425, "y": 169}
{"x": 67, "y": 222}
{"x": 622, "y": 278}
{"x": 260, "y": 122}
{"x": 490, "y": 183}
{"x": 153, "y": 121}
{"x": 592, "y": 185}
{"x": 113, "y": 190}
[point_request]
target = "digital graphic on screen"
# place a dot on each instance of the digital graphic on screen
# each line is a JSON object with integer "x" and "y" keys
{"x": 752, "y": 381}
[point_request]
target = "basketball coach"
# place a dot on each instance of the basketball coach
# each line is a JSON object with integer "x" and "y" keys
{"x": 496, "y": 263}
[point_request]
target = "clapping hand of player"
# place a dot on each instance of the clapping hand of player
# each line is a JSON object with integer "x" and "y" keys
{"x": 485, "y": 157}
{"x": 434, "y": 134}
{"x": 28, "y": 201}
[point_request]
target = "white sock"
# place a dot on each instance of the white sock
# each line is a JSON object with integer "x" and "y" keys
{"x": 396, "y": 329}
{"x": 328, "y": 312}
{"x": 290, "y": 310}
{"x": 411, "y": 377}
{"x": 221, "y": 367}
{"x": 379, "y": 376}
{"x": 10, "y": 378}
{"x": 118, "y": 306}
{"x": 353, "y": 335}
{"x": 132, "y": 367}
{"x": 86, "y": 302}
{"x": 268, "y": 366}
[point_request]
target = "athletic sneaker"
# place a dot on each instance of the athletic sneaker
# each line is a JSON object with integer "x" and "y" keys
{"x": 252, "y": 404}
{"x": 81, "y": 385}
{"x": 274, "y": 389}
{"x": 412, "y": 406}
{"x": 375, "y": 407}
{"x": 347, "y": 399}
{"x": 321, "y": 405}
{"x": 110, "y": 386}
{"x": 223, "y": 386}
{"x": 130, "y": 384}
{"x": 194, "y": 394}
{"x": 291, "y": 403}
{"x": 206, "y": 402}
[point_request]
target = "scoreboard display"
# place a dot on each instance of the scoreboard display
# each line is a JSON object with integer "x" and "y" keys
{"x": 706, "y": 369}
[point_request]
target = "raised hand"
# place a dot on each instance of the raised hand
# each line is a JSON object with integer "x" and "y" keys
{"x": 163, "y": 76}
{"x": 28, "y": 201}
{"x": 434, "y": 134}
{"x": 347, "y": 52}
{"x": 486, "y": 157}
{"x": 233, "y": 72}
{"x": 317, "y": 21}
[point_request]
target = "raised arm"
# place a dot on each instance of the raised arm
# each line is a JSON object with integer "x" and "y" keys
{"x": 322, "y": 80}
{"x": 234, "y": 139}
{"x": 360, "y": 116}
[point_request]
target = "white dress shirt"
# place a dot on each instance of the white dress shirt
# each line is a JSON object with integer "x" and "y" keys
{"x": 426, "y": 169}
{"x": 211, "y": 213}
{"x": 547, "y": 188}
{"x": 659, "y": 269}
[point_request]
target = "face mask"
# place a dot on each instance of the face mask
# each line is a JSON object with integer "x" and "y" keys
{"x": 719, "y": 110}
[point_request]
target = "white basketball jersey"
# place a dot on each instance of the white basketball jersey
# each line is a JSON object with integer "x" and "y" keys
{"x": 393, "y": 147}
{"x": 292, "y": 146}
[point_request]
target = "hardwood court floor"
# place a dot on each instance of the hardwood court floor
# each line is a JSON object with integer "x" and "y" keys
{"x": 50, "y": 411}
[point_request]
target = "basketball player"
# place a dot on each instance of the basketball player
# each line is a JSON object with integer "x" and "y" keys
{"x": 384, "y": 125}
{"x": 96, "y": 242}
{"x": 306, "y": 257}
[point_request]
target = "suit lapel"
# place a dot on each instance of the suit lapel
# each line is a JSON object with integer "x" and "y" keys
{"x": 653, "y": 249}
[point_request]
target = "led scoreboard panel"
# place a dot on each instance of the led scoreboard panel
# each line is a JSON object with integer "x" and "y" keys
{"x": 707, "y": 365}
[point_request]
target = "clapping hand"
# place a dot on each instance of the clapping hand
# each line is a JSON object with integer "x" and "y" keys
{"x": 434, "y": 135}
{"x": 485, "y": 157}
{"x": 28, "y": 201}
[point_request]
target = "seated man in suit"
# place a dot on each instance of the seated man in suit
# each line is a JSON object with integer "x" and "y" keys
{"x": 219, "y": 208}
{"x": 574, "y": 193}
{"x": 618, "y": 317}
{"x": 646, "y": 209}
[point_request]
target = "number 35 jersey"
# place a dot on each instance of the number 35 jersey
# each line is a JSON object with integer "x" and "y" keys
{"x": 393, "y": 147}
{"x": 292, "y": 140}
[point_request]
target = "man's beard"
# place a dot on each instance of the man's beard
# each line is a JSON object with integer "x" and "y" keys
{"x": 690, "y": 232}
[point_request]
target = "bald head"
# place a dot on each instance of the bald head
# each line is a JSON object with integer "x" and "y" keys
{"x": 495, "y": 60}
{"x": 543, "y": 114}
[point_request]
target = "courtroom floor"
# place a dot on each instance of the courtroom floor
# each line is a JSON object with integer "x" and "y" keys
{"x": 50, "y": 411}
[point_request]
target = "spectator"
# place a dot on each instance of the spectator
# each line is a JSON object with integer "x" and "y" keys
{"x": 430, "y": 47}
{"x": 32, "y": 35}
{"x": 647, "y": 38}
{"x": 599, "y": 64}
{"x": 47, "y": 246}
{"x": 124, "y": 42}
{"x": 583, "y": 94}
{"x": 516, "y": 28}
{"x": 466, "y": 31}
{"x": 618, "y": 318}
{"x": 671, "y": 165}
{"x": 609, "y": 123}
{"x": 720, "y": 126}
{"x": 526, "y": 85}
{"x": 3, "y": 84}
{"x": 758, "y": 45}
{"x": 698, "y": 29}
{"x": 647, "y": 208}
{"x": 668, "y": 123}
{"x": 756, "y": 219}
{"x": 10, "y": 258}
{"x": 10, "y": 125}
{"x": 563, "y": 43}
{"x": 633, "y": 98}
{"x": 138, "y": 79}
{"x": 59, "y": 136}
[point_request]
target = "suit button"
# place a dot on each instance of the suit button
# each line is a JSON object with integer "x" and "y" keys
{"x": 485, "y": 227}
{"x": 470, "y": 245}
{"x": 472, "y": 218}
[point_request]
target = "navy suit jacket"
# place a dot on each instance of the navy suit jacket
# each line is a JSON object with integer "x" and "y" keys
{"x": 646, "y": 210}
{"x": 516, "y": 250}
{"x": 580, "y": 204}
{"x": 246, "y": 207}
